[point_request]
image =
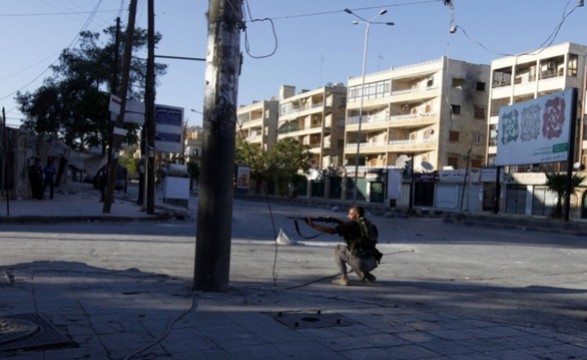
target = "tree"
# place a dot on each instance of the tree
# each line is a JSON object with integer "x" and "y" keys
{"x": 557, "y": 183}
{"x": 280, "y": 165}
{"x": 284, "y": 161}
{"x": 73, "y": 102}
{"x": 254, "y": 158}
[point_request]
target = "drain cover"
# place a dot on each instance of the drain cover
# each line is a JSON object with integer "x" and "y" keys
{"x": 25, "y": 331}
{"x": 6, "y": 278}
{"x": 310, "y": 320}
{"x": 16, "y": 329}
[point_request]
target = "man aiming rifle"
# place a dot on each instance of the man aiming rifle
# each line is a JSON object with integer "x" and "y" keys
{"x": 360, "y": 251}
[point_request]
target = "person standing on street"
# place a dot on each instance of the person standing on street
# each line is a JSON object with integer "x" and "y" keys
{"x": 360, "y": 251}
{"x": 36, "y": 179}
{"x": 102, "y": 180}
{"x": 49, "y": 172}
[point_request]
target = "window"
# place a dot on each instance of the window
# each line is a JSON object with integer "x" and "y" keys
{"x": 572, "y": 66}
{"x": 479, "y": 112}
{"x": 455, "y": 109}
{"x": 478, "y": 138}
{"x": 457, "y": 83}
{"x": 453, "y": 136}
{"x": 480, "y": 86}
{"x": 476, "y": 163}
{"x": 373, "y": 90}
{"x": 453, "y": 161}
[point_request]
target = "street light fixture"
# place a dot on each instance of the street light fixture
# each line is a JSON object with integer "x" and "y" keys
{"x": 366, "y": 46}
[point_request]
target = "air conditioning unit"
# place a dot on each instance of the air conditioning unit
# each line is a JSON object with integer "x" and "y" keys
{"x": 551, "y": 65}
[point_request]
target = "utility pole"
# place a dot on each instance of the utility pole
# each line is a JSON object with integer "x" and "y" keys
{"x": 116, "y": 140}
{"x": 150, "y": 110}
{"x": 214, "y": 221}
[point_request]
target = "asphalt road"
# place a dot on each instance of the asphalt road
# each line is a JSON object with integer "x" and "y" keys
{"x": 506, "y": 275}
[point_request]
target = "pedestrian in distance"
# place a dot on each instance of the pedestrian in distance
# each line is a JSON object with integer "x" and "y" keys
{"x": 360, "y": 251}
{"x": 102, "y": 181}
{"x": 36, "y": 178}
{"x": 49, "y": 177}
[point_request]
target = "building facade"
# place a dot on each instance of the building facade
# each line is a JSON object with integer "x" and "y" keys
{"x": 316, "y": 119}
{"x": 433, "y": 112}
{"x": 257, "y": 123}
{"x": 531, "y": 75}
{"x": 524, "y": 77}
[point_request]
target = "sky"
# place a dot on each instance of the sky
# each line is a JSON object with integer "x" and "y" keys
{"x": 304, "y": 43}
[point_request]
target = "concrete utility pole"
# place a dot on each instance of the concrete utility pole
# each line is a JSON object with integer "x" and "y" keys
{"x": 120, "y": 118}
{"x": 214, "y": 222}
{"x": 150, "y": 111}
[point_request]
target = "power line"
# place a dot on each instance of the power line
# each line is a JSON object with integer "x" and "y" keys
{"x": 71, "y": 44}
{"x": 58, "y": 13}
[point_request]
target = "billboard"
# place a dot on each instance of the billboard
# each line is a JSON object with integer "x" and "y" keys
{"x": 536, "y": 131}
{"x": 169, "y": 128}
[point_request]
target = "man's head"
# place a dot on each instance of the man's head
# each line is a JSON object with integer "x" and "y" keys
{"x": 356, "y": 212}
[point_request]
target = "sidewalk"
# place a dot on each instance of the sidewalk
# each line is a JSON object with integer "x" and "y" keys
{"x": 81, "y": 202}
{"x": 71, "y": 310}
{"x": 85, "y": 312}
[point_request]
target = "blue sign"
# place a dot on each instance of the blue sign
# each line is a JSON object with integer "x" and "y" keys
{"x": 169, "y": 128}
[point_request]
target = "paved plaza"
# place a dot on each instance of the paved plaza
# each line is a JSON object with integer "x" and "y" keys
{"x": 121, "y": 288}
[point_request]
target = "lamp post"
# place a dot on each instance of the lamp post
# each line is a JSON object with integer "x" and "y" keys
{"x": 366, "y": 46}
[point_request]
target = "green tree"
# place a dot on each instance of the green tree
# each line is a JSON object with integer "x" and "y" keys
{"x": 557, "y": 183}
{"x": 254, "y": 158}
{"x": 73, "y": 102}
{"x": 285, "y": 160}
{"x": 129, "y": 162}
{"x": 281, "y": 165}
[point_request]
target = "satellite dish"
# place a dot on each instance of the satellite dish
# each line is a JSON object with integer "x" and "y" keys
{"x": 426, "y": 165}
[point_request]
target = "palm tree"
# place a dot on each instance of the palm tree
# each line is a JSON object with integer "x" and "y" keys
{"x": 557, "y": 183}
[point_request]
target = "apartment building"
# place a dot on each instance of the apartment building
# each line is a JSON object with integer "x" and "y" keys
{"x": 528, "y": 76}
{"x": 192, "y": 143}
{"x": 257, "y": 123}
{"x": 315, "y": 118}
{"x": 531, "y": 75}
{"x": 434, "y": 112}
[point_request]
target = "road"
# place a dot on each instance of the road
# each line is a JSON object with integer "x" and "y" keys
{"x": 505, "y": 275}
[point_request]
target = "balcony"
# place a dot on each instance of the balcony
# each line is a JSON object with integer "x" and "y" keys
{"x": 402, "y": 146}
{"x": 382, "y": 121}
{"x": 301, "y": 110}
{"x": 366, "y": 148}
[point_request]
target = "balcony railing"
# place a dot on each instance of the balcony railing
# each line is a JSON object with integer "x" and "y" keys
{"x": 380, "y": 118}
{"x": 392, "y": 143}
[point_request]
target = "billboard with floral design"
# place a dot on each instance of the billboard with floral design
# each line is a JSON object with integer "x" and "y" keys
{"x": 536, "y": 131}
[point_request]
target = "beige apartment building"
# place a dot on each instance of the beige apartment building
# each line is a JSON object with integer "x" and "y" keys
{"x": 531, "y": 75}
{"x": 192, "y": 143}
{"x": 257, "y": 123}
{"x": 528, "y": 76}
{"x": 315, "y": 118}
{"x": 435, "y": 112}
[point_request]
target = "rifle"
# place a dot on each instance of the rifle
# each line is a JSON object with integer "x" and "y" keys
{"x": 327, "y": 219}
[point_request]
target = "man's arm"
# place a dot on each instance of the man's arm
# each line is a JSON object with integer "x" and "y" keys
{"x": 321, "y": 228}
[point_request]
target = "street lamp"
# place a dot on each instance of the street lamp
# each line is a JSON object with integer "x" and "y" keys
{"x": 366, "y": 46}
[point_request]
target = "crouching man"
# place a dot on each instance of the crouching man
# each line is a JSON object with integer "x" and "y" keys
{"x": 360, "y": 251}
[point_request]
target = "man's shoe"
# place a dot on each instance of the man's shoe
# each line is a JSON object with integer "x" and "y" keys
{"x": 369, "y": 279}
{"x": 341, "y": 280}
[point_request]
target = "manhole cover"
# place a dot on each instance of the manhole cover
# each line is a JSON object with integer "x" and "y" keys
{"x": 310, "y": 320}
{"x": 6, "y": 278}
{"x": 16, "y": 329}
{"x": 27, "y": 331}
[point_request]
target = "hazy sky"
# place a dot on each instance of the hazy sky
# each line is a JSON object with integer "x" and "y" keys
{"x": 307, "y": 43}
